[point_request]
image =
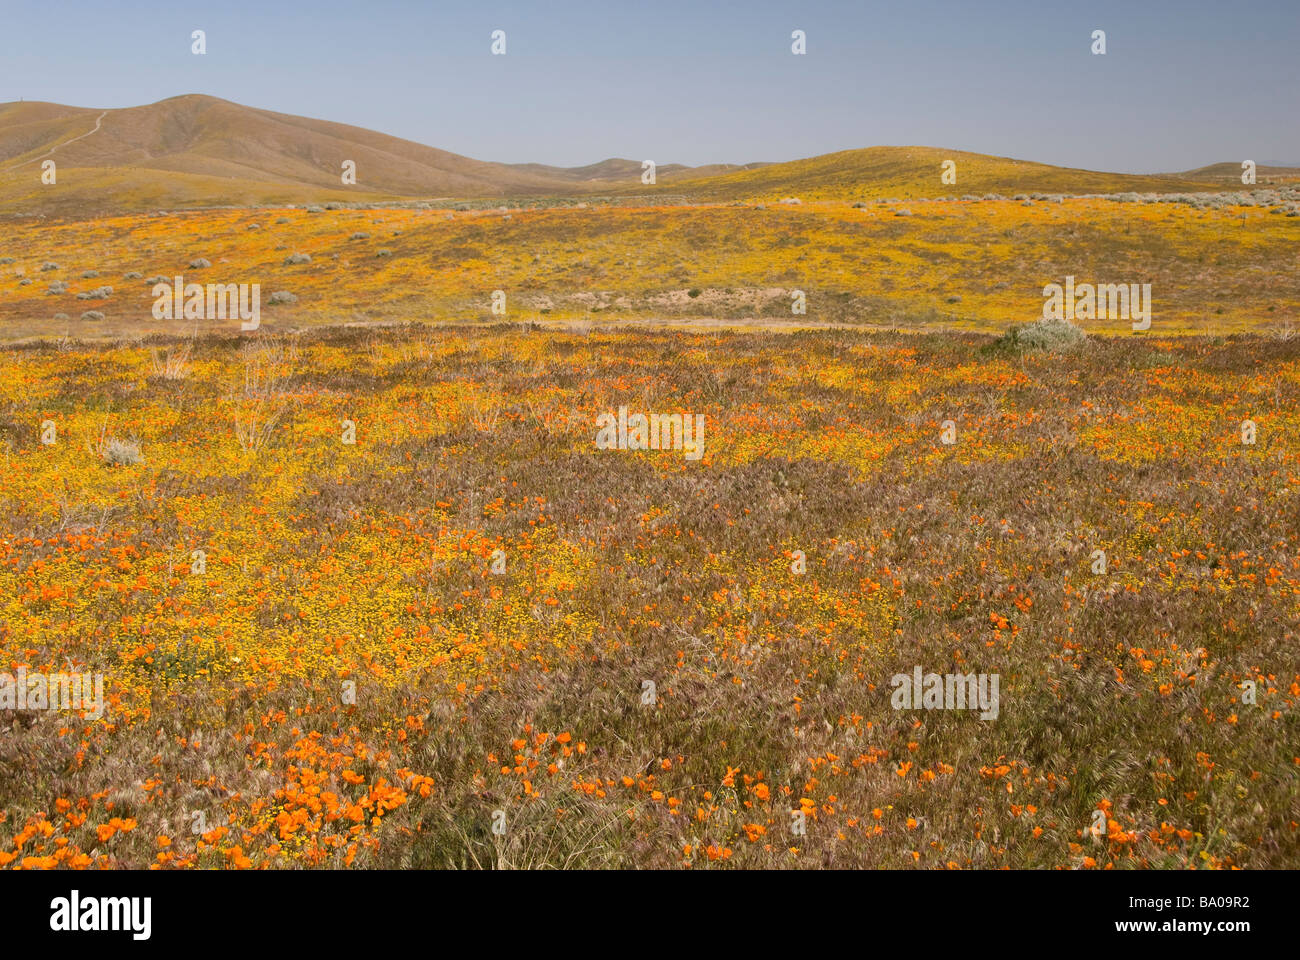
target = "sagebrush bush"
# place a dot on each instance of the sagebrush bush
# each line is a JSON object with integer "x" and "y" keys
{"x": 120, "y": 452}
{"x": 1041, "y": 336}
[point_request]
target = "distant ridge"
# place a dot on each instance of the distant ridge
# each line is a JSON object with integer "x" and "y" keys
{"x": 201, "y": 151}
{"x": 915, "y": 173}
{"x": 1231, "y": 172}
{"x": 628, "y": 172}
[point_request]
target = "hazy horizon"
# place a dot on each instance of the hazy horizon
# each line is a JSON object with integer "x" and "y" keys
{"x": 669, "y": 160}
{"x": 1181, "y": 86}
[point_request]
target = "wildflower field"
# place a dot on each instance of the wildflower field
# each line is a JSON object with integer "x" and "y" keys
{"x": 373, "y": 597}
{"x": 1217, "y": 264}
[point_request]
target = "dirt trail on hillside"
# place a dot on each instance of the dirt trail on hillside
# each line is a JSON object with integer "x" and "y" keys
{"x": 50, "y": 152}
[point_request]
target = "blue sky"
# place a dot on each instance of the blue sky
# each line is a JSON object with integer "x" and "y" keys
{"x": 1182, "y": 83}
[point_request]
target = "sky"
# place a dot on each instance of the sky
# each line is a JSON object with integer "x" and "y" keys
{"x": 1181, "y": 85}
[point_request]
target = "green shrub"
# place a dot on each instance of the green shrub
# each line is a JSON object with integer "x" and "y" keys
{"x": 1041, "y": 336}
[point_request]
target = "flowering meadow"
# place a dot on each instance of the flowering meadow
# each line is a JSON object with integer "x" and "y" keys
{"x": 1217, "y": 266}
{"x": 372, "y": 596}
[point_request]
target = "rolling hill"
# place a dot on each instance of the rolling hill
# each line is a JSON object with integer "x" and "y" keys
{"x": 1228, "y": 175}
{"x": 198, "y": 150}
{"x": 201, "y": 151}
{"x": 915, "y": 173}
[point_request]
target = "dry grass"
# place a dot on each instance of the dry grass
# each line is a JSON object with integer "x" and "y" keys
{"x": 350, "y": 683}
{"x": 174, "y": 363}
